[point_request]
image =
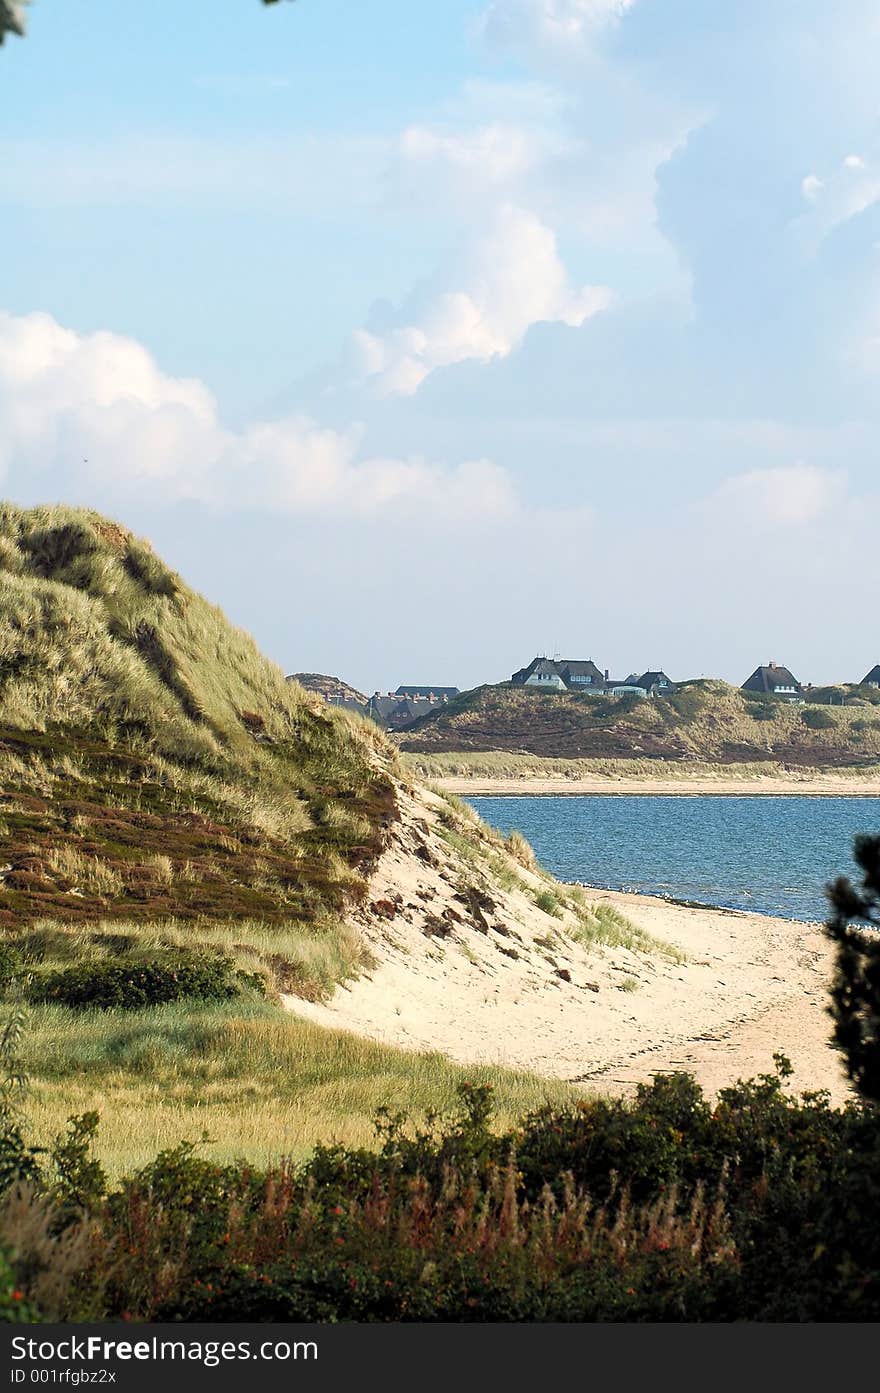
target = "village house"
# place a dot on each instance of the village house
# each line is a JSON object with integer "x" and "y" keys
{"x": 433, "y": 694}
{"x": 773, "y": 680}
{"x": 541, "y": 672}
{"x": 579, "y": 675}
{"x": 872, "y": 679}
{"x": 655, "y": 683}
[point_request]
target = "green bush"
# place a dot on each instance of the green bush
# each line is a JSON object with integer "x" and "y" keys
{"x": 817, "y": 719}
{"x": 762, "y": 710}
{"x": 173, "y": 975}
{"x": 10, "y": 965}
{"x": 15, "y": 1308}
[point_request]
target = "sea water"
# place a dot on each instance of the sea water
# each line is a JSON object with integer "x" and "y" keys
{"x": 767, "y": 855}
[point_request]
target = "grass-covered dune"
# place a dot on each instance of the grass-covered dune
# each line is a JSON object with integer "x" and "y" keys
{"x": 184, "y": 836}
{"x": 153, "y": 762}
{"x": 705, "y": 720}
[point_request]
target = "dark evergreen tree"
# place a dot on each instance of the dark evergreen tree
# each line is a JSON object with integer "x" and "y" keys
{"x": 854, "y": 926}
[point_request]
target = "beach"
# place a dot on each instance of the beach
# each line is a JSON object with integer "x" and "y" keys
{"x": 731, "y": 989}
{"x": 810, "y": 785}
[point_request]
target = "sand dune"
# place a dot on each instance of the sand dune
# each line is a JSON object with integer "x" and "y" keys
{"x": 507, "y": 984}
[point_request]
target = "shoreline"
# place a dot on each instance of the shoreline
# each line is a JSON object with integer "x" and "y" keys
{"x": 738, "y": 987}
{"x": 832, "y": 786}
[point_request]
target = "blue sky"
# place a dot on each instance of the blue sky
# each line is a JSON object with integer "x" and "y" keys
{"x": 423, "y": 338}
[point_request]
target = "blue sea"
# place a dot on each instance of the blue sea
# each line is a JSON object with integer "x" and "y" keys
{"x": 766, "y": 855}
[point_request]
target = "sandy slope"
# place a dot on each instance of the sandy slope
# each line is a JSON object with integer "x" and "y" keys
{"x": 482, "y": 984}
{"x": 808, "y": 785}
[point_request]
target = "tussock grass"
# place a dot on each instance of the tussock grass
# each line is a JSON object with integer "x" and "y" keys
{"x": 304, "y": 960}
{"x": 603, "y": 925}
{"x": 89, "y": 871}
{"x": 259, "y": 1081}
{"x": 548, "y": 903}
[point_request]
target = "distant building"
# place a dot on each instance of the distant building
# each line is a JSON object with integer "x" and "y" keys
{"x": 580, "y": 676}
{"x": 561, "y": 675}
{"x": 872, "y": 679}
{"x": 397, "y": 710}
{"x": 437, "y": 694}
{"x": 541, "y": 672}
{"x": 616, "y": 687}
{"x": 655, "y": 683}
{"x": 773, "y": 680}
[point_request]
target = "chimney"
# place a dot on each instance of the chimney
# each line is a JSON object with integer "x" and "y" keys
{"x": 607, "y": 674}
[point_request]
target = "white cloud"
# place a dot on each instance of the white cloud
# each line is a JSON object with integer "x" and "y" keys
{"x": 92, "y": 416}
{"x": 520, "y": 25}
{"x": 791, "y": 496}
{"x": 854, "y": 162}
{"x": 497, "y": 152}
{"x": 511, "y": 279}
{"x": 811, "y": 186}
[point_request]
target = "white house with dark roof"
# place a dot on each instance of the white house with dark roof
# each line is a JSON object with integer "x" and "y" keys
{"x": 561, "y": 675}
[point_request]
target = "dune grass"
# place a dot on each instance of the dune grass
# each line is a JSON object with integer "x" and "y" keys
{"x": 259, "y": 1081}
{"x": 499, "y": 764}
{"x": 134, "y": 718}
{"x": 304, "y": 960}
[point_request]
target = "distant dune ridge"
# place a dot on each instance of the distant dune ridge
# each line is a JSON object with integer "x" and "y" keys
{"x": 331, "y": 688}
{"x": 703, "y": 721}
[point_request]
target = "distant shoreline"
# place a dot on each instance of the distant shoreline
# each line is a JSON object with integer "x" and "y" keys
{"x": 814, "y": 786}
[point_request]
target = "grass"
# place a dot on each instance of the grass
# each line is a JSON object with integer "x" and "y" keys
{"x": 601, "y": 925}
{"x": 163, "y": 785}
{"x": 548, "y": 902}
{"x": 307, "y": 961}
{"x": 499, "y": 764}
{"x": 152, "y": 761}
{"x": 259, "y": 1081}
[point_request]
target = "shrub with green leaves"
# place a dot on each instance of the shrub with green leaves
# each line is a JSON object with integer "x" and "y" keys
{"x": 174, "y": 975}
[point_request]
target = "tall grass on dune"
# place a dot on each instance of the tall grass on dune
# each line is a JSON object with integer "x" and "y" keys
{"x": 260, "y": 1082}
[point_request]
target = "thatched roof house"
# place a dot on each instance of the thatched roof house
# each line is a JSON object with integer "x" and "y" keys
{"x": 872, "y": 679}
{"x": 655, "y": 683}
{"x": 773, "y": 680}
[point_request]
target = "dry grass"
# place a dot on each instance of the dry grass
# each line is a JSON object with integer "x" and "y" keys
{"x": 260, "y": 1082}
{"x": 87, "y": 872}
{"x": 501, "y": 765}
{"x": 304, "y": 960}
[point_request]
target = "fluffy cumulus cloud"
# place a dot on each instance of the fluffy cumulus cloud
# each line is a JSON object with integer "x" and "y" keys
{"x": 93, "y": 416}
{"x": 511, "y": 278}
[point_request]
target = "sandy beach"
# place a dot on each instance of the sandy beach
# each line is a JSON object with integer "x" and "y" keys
{"x": 810, "y": 786}
{"x": 517, "y": 991}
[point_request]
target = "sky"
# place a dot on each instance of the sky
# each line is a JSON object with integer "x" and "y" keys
{"x": 426, "y": 338}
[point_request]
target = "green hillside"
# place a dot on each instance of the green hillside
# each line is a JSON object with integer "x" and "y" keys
{"x": 703, "y": 720}
{"x": 183, "y": 835}
{"x": 152, "y": 760}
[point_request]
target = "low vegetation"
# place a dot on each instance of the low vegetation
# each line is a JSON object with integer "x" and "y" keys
{"x": 757, "y": 1207}
{"x": 183, "y": 834}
